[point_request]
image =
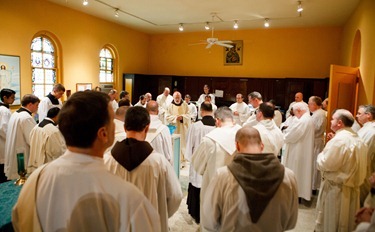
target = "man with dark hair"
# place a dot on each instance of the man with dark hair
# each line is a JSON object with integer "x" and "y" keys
{"x": 158, "y": 134}
{"x": 46, "y": 141}
{"x": 194, "y": 137}
{"x": 57, "y": 195}
{"x": 18, "y": 136}
{"x": 207, "y": 99}
{"x": 240, "y": 109}
{"x": 366, "y": 117}
{"x": 7, "y": 97}
{"x": 272, "y": 137}
{"x": 192, "y": 108}
{"x": 319, "y": 119}
{"x": 216, "y": 149}
{"x": 253, "y": 193}
{"x": 51, "y": 100}
{"x": 134, "y": 160}
{"x": 142, "y": 101}
{"x": 342, "y": 164}
{"x": 255, "y": 99}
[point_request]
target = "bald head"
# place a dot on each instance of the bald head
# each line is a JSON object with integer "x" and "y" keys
{"x": 166, "y": 91}
{"x": 298, "y": 97}
{"x": 248, "y": 140}
{"x": 152, "y": 107}
{"x": 120, "y": 113}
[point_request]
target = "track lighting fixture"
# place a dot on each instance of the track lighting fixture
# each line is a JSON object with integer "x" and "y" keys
{"x": 181, "y": 27}
{"x": 207, "y": 26}
{"x": 116, "y": 13}
{"x": 299, "y": 8}
{"x": 266, "y": 22}
{"x": 85, "y": 2}
{"x": 235, "y": 25}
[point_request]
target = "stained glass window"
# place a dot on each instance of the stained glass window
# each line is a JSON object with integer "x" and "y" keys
{"x": 43, "y": 66}
{"x": 106, "y": 66}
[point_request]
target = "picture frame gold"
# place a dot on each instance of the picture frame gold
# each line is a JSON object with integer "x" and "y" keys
{"x": 234, "y": 55}
{"x": 83, "y": 86}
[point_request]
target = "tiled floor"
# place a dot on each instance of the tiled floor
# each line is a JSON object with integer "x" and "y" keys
{"x": 181, "y": 220}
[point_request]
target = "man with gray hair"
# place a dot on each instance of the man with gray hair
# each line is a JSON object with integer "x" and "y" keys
{"x": 255, "y": 99}
{"x": 342, "y": 164}
{"x": 217, "y": 147}
{"x": 164, "y": 100}
{"x": 299, "y": 146}
{"x": 178, "y": 115}
{"x": 366, "y": 117}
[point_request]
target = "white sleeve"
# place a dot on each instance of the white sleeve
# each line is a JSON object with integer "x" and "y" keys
{"x": 43, "y": 109}
{"x": 173, "y": 190}
{"x": 212, "y": 202}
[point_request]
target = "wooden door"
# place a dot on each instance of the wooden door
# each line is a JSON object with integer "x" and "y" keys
{"x": 343, "y": 90}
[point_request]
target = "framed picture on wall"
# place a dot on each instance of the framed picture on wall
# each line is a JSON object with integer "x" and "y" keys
{"x": 233, "y": 55}
{"x": 83, "y": 86}
{"x": 10, "y": 75}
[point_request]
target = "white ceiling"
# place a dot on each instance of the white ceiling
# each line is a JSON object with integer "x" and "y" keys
{"x": 164, "y": 16}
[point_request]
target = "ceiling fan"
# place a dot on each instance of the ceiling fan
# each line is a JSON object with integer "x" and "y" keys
{"x": 212, "y": 41}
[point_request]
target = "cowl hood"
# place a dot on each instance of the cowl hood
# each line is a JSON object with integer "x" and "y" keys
{"x": 130, "y": 153}
{"x": 260, "y": 176}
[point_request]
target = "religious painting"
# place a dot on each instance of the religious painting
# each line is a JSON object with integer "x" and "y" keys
{"x": 83, "y": 86}
{"x": 10, "y": 75}
{"x": 233, "y": 55}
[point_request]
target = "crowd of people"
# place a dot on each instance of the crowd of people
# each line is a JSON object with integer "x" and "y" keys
{"x": 95, "y": 163}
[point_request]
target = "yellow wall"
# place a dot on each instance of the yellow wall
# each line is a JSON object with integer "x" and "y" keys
{"x": 298, "y": 52}
{"x": 81, "y": 37}
{"x": 363, "y": 19}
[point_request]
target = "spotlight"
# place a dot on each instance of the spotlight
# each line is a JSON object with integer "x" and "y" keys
{"x": 299, "y": 8}
{"x": 235, "y": 25}
{"x": 85, "y": 2}
{"x": 181, "y": 27}
{"x": 266, "y": 22}
{"x": 207, "y": 26}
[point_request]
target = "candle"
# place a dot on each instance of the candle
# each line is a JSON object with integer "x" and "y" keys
{"x": 21, "y": 163}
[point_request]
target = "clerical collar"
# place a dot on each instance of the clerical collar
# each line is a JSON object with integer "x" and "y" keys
{"x": 23, "y": 109}
{"x": 45, "y": 122}
{"x": 3, "y": 104}
{"x": 53, "y": 99}
{"x": 174, "y": 103}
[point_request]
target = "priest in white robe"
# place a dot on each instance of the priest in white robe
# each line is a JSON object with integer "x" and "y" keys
{"x": 158, "y": 134}
{"x": 319, "y": 119}
{"x": 202, "y": 97}
{"x": 18, "y": 136}
{"x": 7, "y": 97}
{"x": 253, "y": 193}
{"x": 255, "y": 99}
{"x": 135, "y": 161}
{"x": 119, "y": 125}
{"x": 75, "y": 192}
{"x": 366, "y": 117}
{"x": 113, "y": 95}
{"x": 298, "y": 97}
{"x": 164, "y": 100}
{"x": 142, "y": 101}
{"x": 342, "y": 164}
{"x": 272, "y": 137}
{"x": 240, "y": 109}
{"x": 51, "y": 100}
{"x": 208, "y": 99}
{"x": 192, "y": 108}
{"x": 299, "y": 146}
{"x": 217, "y": 148}
{"x": 194, "y": 138}
{"x": 46, "y": 141}
{"x": 178, "y": 115}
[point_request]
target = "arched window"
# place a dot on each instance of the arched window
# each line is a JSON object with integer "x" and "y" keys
{"x": 106, "y": 74}
{"x": 43, "y": 65}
